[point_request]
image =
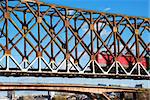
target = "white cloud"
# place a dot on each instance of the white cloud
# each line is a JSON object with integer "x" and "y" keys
{"x": 104, "y": 31}
{"x": 71, "y": 12}
{"x": 107, "y": 9}
{"x": 85, "y": 27}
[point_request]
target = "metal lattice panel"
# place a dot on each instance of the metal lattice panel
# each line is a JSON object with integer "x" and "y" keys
{"x": 49, "y": 40}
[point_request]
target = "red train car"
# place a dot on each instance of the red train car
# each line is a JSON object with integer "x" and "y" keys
{"x": 126, "y": 61}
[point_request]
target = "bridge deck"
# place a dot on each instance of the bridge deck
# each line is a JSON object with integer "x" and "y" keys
{"x": 17, "y": 73}
{"x": 67, "y": 88}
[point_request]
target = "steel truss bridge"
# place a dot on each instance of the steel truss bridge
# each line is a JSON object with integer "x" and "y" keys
{"x": 38, "y": 39}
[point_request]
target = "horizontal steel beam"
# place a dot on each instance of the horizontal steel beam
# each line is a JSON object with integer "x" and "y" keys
{"x": 66, "y": 88}
{"x": 16, "y": 73}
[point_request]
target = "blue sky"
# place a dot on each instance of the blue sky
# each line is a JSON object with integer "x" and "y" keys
{"x": 127, "y": 7}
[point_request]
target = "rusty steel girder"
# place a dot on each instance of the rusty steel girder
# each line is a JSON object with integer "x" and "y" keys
{"x": 67, "y": 88}
{"x": 41, "y": 39}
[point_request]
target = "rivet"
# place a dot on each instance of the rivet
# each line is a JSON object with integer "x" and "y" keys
{"x": 67, "y": 56}
{"x": 136, "y": 31}
{"x": 39, "y": 20}
{"x": 91, "y": 27}
{"x": 38, "y": 54}
{"x": 67, "y": 23}
{"x": 7, "y": 15}
{"x": 115, "y": 29}
{"x": 7, "y": 52}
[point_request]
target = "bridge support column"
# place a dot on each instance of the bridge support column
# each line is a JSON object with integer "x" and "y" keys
{"x": 135, "y": 96}
{"x": 11, "y": 95}
{"x": 122, "y": 96}
{"x": 49, "y": 96}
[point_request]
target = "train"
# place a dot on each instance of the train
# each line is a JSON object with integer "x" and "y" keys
{"x": 125, "y": 60}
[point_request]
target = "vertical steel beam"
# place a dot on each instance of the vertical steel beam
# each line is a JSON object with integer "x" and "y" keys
{"x": 52, "y": 31}
{"x": 7, "y": 38}
{"x": 92, "y": 43}
{"x": 39, "y": 21}
{"x": 137, "y": 40}
{"x": 25, "y": 48}
{"x": 76, "y": 41}
{"x": 66, "y": 23}
{"x": 6, "y": 21}
{"x": 115, "y": 44}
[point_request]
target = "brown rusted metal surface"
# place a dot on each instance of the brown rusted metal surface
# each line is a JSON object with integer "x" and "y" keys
{"x": 66, "y": 87}
{"x": 50, "y": 40}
